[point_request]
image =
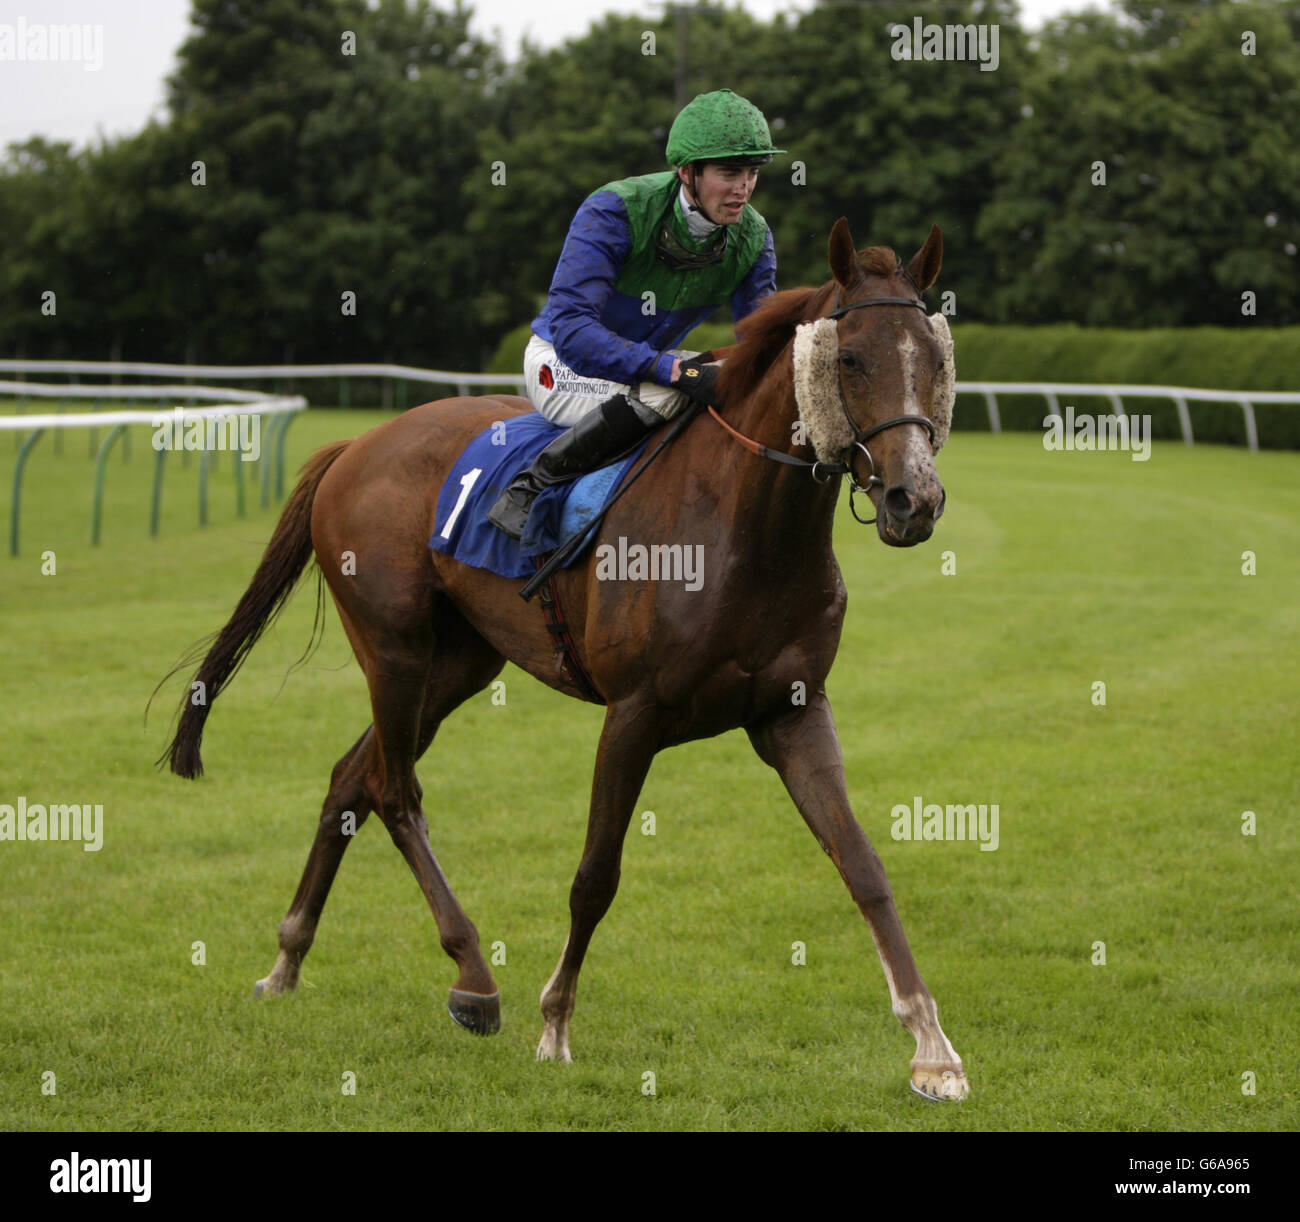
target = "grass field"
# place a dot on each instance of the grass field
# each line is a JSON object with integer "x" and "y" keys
{"x": 1119, "y": 825}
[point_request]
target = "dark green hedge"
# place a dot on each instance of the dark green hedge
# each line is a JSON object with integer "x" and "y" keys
{"x": 1215, "y": 358}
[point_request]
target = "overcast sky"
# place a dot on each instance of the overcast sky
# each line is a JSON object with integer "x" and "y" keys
{"x": 79, "y": 102}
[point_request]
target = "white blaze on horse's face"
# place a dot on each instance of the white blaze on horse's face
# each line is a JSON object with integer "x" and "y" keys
{"x": 918, "y": 461}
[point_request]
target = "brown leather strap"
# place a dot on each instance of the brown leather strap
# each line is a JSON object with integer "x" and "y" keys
{"x": 820, "y": 470}
{"x": 748, "y": 442}
{"x": 566, "y": 651}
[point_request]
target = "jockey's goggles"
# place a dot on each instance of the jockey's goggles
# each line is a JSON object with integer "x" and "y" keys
{"x": 677, "y": 255}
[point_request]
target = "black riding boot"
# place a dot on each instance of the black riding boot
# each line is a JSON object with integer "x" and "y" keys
{"x": 601, "y": 436}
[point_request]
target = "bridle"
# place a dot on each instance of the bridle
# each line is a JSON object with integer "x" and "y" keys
{"x": 862, "y": 436}
{"x": 822, "y": 471}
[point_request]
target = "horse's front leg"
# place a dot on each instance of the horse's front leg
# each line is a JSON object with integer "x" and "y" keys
{"x": 803, "y": 747}
{"x": 627, "y": 747}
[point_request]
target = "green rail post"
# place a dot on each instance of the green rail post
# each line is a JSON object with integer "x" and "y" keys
{"x": 279, "y": 455}
{"x": 126, "y": 440}
{"x": 58, "y": 433}
{"x": 203, "y": 486}
{"x": 213, "y": 464}
{"x": 185, "y": 454}
{"x": 237, "y": 461}
{"x": 76, "y": 381}
{"x": 98, "y": 505}
{"x": 156, "y": 501}
{"x": 268, "y": 442}
{"x": 345, "y": 397}
{"x": 271, "y": 457}
{"x": 16, "y": 498}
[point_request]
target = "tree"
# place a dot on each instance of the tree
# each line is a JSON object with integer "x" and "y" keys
{"x": 1150, "y": 182}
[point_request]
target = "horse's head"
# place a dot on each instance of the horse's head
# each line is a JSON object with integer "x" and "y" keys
{"x": 883, "y": 372}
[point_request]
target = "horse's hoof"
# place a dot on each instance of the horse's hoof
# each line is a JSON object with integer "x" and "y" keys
{"x": 941, "y": 1085}
{"x": 552, "y": 1047}
{"x": 476, "y": 1012}
{"x": 269, "y": 986}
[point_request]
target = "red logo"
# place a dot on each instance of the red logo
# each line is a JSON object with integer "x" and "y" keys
{"x": 545, "y": 378}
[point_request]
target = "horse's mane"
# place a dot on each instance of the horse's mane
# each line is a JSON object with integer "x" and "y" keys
{"x": 766, "y": 332}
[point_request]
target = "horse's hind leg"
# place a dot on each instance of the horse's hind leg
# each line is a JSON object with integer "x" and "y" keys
{"x": 410, "y": 695}
{"x": 803, "y": 747}
{"x": 627, "y": 746}
{"x": 347, "y": 793}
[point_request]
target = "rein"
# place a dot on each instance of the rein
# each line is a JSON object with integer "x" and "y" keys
{"x": 860, "y": 436}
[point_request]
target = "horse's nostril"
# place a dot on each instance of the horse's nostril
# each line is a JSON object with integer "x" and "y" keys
{"x": 900, "y": 502}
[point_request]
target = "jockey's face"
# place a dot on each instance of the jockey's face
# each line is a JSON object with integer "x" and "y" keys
{"x": 722, "y": 191}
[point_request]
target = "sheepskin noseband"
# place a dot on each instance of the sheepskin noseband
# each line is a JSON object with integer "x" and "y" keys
{"x": 944, "y": 390}
{"x": 817, "y": 387}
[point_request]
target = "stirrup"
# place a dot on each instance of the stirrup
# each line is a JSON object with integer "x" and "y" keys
{"x": 510, "y": 513}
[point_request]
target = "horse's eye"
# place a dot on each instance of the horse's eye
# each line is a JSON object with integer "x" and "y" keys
{"x": 849, "y": 361}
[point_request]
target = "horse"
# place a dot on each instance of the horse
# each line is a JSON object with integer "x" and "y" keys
{"x": 670, "y": 665}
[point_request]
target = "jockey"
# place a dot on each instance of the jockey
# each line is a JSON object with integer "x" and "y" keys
{"x": 646, "y": 260}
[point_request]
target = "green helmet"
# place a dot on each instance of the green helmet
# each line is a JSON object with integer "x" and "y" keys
{"x": 720, "y": 126}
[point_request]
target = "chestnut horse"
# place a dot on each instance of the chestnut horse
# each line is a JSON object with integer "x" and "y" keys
{"x": 672, "y": 664}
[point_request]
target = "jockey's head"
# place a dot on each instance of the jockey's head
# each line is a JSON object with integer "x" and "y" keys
{"x": 716, "y": 144}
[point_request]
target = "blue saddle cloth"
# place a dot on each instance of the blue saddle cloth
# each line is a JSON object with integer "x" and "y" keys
{"x": 482, "y": 473}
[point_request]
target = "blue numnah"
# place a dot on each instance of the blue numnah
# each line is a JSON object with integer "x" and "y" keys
{"x": 558, "y": 512}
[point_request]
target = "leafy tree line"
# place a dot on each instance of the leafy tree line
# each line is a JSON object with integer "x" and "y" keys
{"x": 337, "y": 181}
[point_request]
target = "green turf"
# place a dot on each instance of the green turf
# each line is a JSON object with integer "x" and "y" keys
{"x": 1118, "y": 824}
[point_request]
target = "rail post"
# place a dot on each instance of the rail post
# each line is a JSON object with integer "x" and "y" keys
{"x": 97, "y": 509}
{"x": 17, "y": 496}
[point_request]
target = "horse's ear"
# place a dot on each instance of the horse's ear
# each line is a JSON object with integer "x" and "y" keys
{"x": 841, "y": 255}
{"x": 925, "y": 264}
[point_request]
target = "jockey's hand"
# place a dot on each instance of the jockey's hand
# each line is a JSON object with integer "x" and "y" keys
{"x": 696, "y": 381}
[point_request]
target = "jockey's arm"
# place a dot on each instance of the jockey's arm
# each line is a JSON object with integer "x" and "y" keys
{"x": 598, "y": 241}
{"x": 758, "y": 285}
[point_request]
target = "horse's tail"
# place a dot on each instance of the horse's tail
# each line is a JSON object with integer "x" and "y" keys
{"x": 282, "y": 564}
